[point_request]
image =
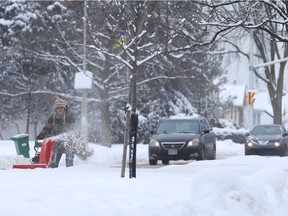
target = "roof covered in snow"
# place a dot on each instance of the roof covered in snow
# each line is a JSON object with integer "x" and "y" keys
{"x": 237, "y": 94}
{"x": 234, "y": 92}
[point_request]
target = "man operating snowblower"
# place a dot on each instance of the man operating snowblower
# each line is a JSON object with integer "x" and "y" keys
{"x": 60, "y": 128}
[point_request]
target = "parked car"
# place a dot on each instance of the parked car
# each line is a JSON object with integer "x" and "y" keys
{"x": 182, "y": 138}
{"x": 267, "y": 140}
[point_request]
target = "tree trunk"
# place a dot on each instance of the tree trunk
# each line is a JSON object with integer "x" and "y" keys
{"x": 277, "y": 102}
{"x": 133, "y": 86}
{"x": 274, "y": 83}
{"x": 105, "y": 128}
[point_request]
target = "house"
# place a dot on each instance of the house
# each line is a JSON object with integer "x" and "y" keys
{"x": 236, "y": 109}
{"x": 233, "y": 99}
{"x": 263, "y": 112}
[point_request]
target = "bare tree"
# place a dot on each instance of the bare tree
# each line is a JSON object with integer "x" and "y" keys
{"x": 156, "y": 48}
{"x": 269, "y": 20}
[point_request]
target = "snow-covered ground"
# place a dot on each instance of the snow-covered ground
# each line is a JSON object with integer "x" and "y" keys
{"x": 232, "y": 185}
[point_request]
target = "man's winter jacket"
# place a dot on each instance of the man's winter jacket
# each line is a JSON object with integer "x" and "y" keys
{"x": 57, "y": 125}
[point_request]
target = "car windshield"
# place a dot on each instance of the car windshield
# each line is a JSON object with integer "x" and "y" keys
{"x": 178, "y": 126}
{"x": 267, "y": 130}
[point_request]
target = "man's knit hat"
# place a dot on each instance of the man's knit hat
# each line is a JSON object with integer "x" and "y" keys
{"x": 60, "y": 103}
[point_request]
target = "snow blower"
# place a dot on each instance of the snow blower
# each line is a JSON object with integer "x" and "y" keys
{"x": 42, "y": 158}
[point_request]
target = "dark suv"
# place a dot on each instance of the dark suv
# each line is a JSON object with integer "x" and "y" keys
{"x": 182, "y": 138}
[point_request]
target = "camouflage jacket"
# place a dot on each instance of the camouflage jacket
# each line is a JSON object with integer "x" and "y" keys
{"x": 57, "y": 125}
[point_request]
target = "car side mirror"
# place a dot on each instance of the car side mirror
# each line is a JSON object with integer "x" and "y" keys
{"x": 247, "y": 134}
{"x": 205, "y": 131}
{"x": 285, "y": 134}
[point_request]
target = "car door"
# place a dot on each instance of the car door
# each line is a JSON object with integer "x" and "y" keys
{"x": 207, "y": 138}
{"x": 285, "y": 137}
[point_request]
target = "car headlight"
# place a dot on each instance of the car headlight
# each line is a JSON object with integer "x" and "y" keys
{"x": 154, "y": 143}
{"x": 249, "y": 143}
{"x": 194, "y": 142}
{"x": 276, "y": 143}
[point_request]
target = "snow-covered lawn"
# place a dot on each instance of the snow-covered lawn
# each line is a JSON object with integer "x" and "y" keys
{"x": 232, "y": 185}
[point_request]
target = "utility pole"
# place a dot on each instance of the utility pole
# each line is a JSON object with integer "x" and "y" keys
{"x": 84, "y": 123}
{"x": 83, "y": 83}
{"x": 251, "y": 80}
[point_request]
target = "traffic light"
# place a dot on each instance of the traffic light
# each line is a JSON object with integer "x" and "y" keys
{"x": 250, "y": 97}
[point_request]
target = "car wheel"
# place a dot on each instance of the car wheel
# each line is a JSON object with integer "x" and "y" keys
{"x": 214, "y": 153}
{"x": 247, "y": 152}
{"x": 166, "y": 162}
{"x": 152, "y": 162}
{"x": 201, "y": 155}
{"x": 283, "y": 153}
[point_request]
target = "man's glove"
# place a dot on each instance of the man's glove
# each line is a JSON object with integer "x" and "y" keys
{"x": 37, "y": 144}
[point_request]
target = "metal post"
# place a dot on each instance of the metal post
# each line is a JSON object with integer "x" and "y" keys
{"x": 126, "y": 136}
{"x": 84, "y": 122}
{"x": 84, "y": 37}
{"x": 251, "y": 82}
{"x": 270, "y": 63}
{"x": 133, "y": 145}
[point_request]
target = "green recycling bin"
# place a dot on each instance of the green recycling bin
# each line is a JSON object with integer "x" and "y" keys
{"x": 22, "y": 144}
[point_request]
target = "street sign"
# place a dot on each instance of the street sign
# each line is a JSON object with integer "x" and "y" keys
{"x": 83, "y": 80}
